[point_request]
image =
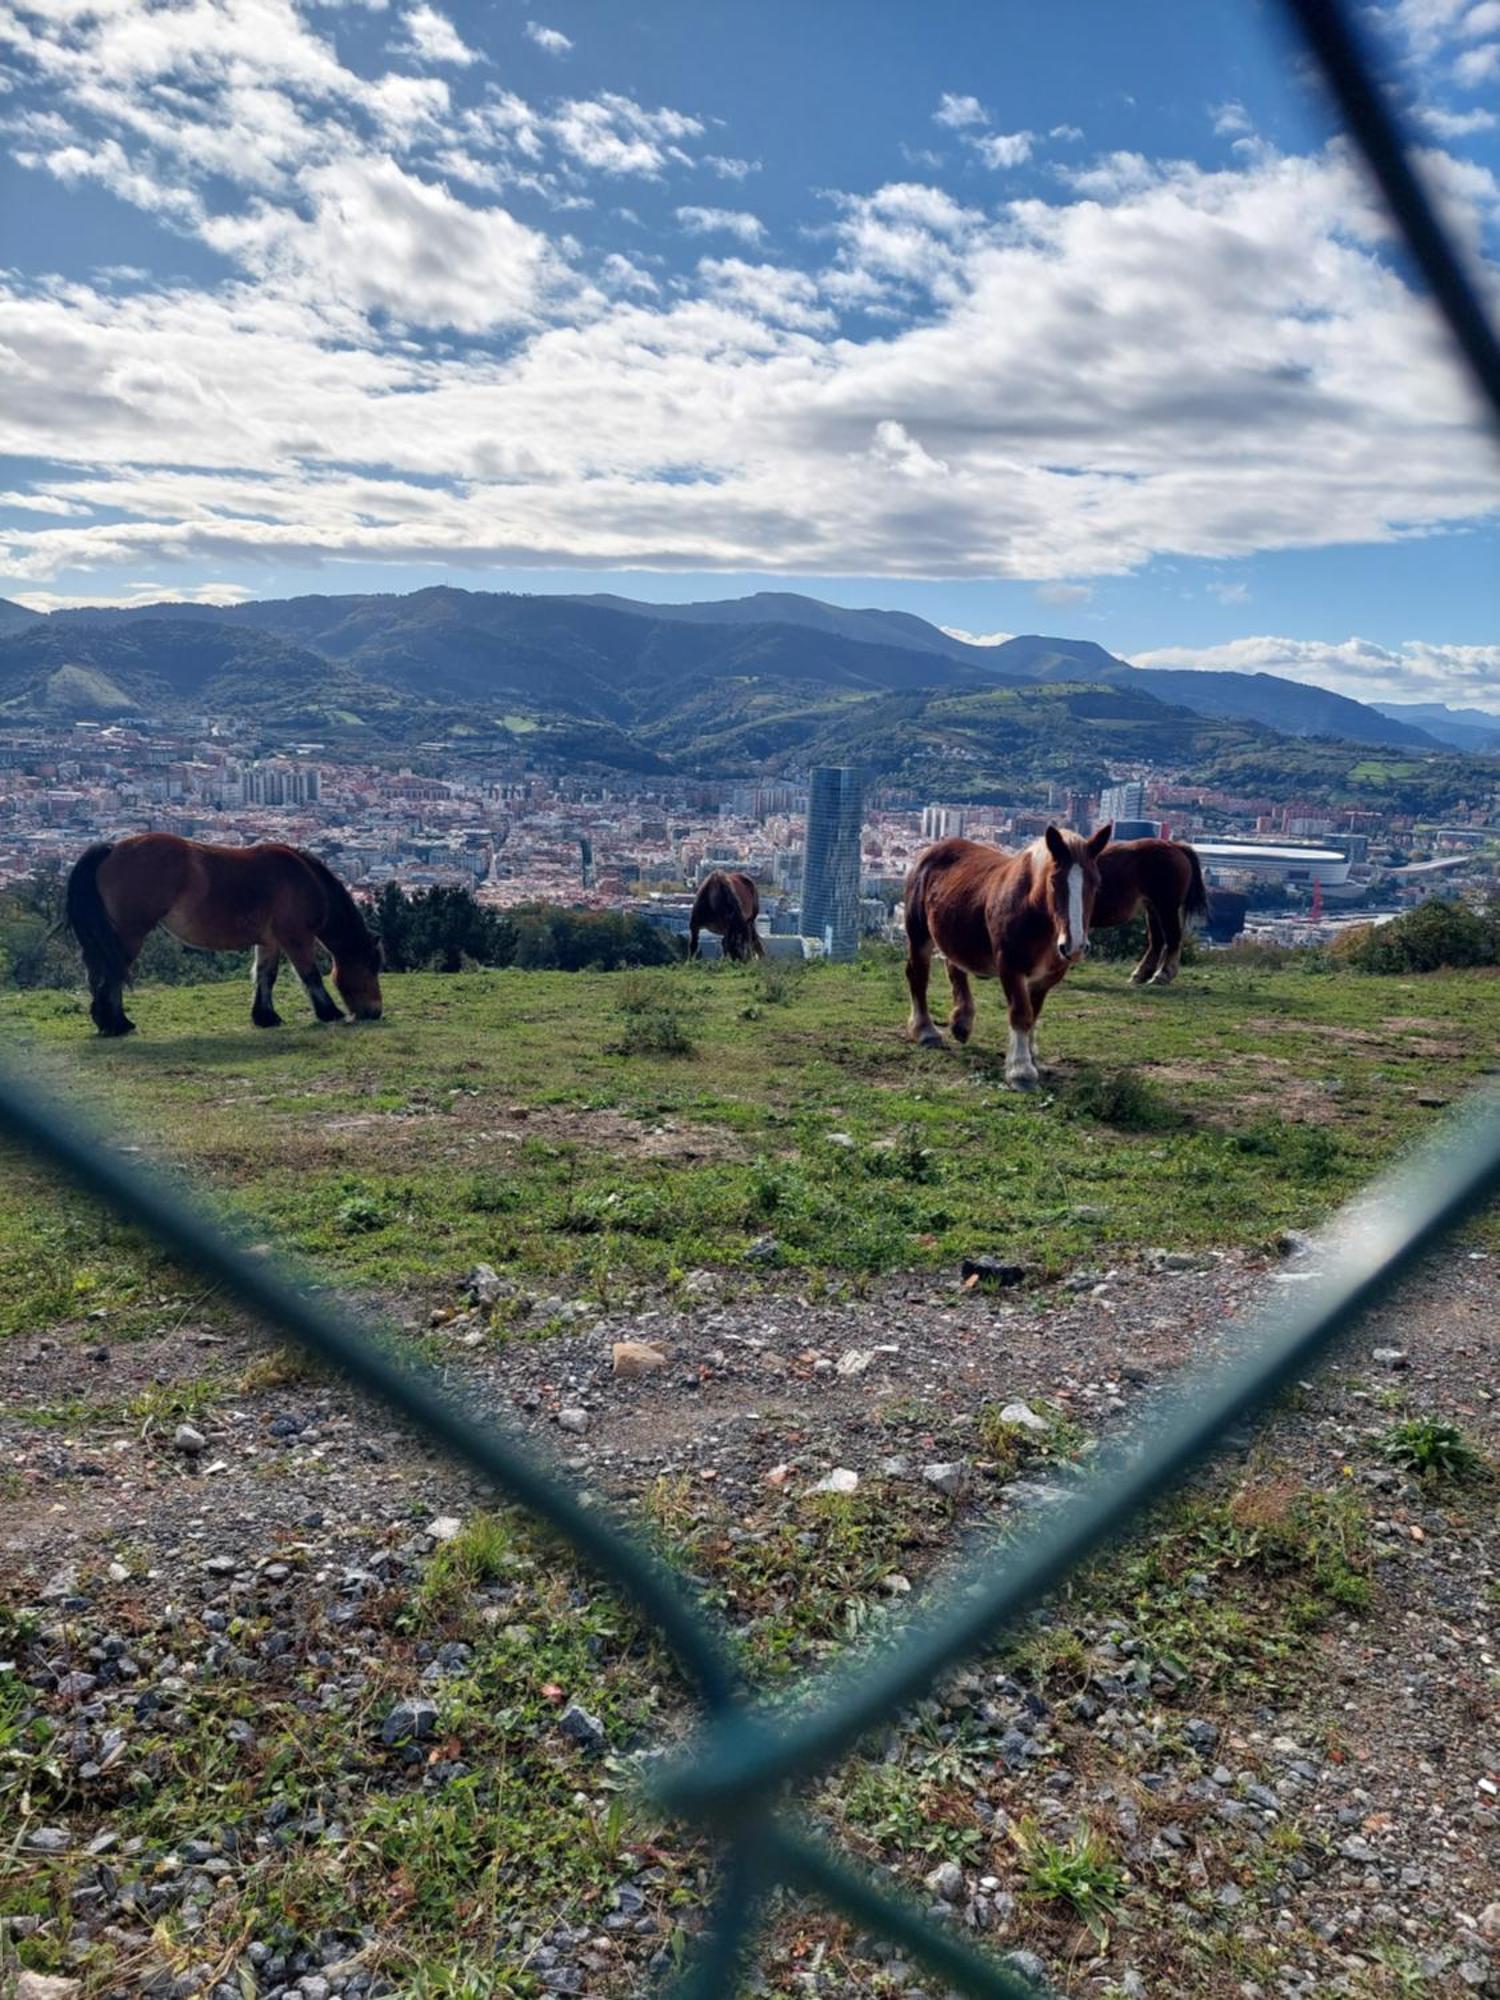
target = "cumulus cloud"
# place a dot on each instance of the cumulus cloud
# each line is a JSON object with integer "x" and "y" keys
{"x": 1004, "y": 149}
{"x": 553, "y": 40}
{"x": 1149, "y": 359}
{"x": 432, "y": 37}
{"x": 728, "y": 168}
{"x": 729, "y": 221}
{"x": 976, "y": 638}
{"x": 1231, "y": 120}
{"x": 1416, "y": 671}
{"x": 958, "y": 112}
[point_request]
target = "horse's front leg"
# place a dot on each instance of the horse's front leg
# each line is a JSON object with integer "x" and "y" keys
{"x": 1020, "y": 1057}
{"x": 304, "y": 957}
{"x": 264, "y": 967}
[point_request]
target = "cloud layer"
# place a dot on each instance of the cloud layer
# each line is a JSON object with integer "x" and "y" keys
{"x": 1131, "y": 359}
{"x": 1464, "y": 676}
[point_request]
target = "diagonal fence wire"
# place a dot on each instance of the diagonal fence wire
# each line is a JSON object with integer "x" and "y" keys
{"x": 733, "y": 1782}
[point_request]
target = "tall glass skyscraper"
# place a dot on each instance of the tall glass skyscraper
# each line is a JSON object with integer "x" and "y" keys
{"x": 830, "y": 866}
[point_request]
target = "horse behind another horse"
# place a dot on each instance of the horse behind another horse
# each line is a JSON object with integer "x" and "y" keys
{"x": 727, "y": 904}
{"x": 1165, "y": 875}
{"x": 1021, "y": 918}
{"x": 277, "y": 899}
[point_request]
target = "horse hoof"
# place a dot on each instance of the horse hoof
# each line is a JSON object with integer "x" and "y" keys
{"x": 270, "y": 1020}
{"x": 1022, "y": 1079}
{"x": 930, "y": 1039}
{"x": 960, "y": 1030}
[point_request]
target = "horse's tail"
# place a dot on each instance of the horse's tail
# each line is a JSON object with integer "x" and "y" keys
{"x": 86, "y": 917}
{"x": 1196, "y": 903}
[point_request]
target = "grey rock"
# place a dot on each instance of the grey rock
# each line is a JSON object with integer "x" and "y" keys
{"x": 1390, "y": 1357}
{"x": 574, "y": 1420}
{"x": 49, "y": 1840}
{"x": 584, "y": 1728}
{"x": 946, "y": 1882}
{"x": 1027, "y": 1964}
{"x": 409, "y": 1721}
{"x": 764, "y": 1250}
{"x": 946, "y": 1475}
{"x": 188, "y": 1441}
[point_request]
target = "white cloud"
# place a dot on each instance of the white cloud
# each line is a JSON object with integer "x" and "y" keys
{"x": 1455, "y": 124}
{"x": 136, "y": 594}
{"x": 1064, "y": 593}
{"x": 1415, "y": 671}
{"x": 615, "y": 135}
{"x": 380, "y": 239}
{"x": 432, "y": 37}
{"x": 1231, "y": 120}
{"x": 1175, "y": 362}
{"x": 1477, "y": 66}
{"x": 1230, "y": 593}
{"x": 976, "y": 638}
{"x": 553, "y": 40}
{"x": 958, "y": 113}
{"x": 1004, "y": 149}
{"x": 729, "y": 221}
{"x": 730, "y": 169}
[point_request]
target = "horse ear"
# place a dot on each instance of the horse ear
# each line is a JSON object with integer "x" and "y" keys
{"x": 1057, "y": 846}
{"x": 1100, "y": 838}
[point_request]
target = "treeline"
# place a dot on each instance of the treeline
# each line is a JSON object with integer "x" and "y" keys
{"x": 1436, "y": 936}
{"x": 433, "y": 930}
{"x": 444, "y": 930}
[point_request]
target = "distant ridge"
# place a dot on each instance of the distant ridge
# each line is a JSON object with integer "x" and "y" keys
{"x": 604, "y": 663}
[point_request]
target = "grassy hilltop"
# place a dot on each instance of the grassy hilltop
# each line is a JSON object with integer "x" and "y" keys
{"x": 589, "y": 1130}
{"x": 291, "y": 1700}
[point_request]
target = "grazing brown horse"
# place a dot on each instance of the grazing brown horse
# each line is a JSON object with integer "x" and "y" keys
{"x": 1165, "y": 875}
{"x": 728, "y": 905}
{"x": 1020, "y": 918}
{"x": 274, "y": 898}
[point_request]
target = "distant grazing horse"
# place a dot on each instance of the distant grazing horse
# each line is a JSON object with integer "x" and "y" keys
{"x": 1165, "y": 875}
{"x": 1020, "y": 918}
{"x": 728, "y": 905}
{"x": 277, "y": 899}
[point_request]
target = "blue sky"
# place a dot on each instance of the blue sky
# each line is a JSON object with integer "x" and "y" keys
{"x": 1074, "y": 318}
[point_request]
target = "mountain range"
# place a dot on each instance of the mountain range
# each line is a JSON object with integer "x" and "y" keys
{"x": 776, "y": 678}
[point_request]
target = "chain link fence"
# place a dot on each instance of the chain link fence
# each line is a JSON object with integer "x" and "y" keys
{"x": 737, "y": 1781}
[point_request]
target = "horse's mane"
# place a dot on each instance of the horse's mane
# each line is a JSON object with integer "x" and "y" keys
{"x": 348, "y": 927}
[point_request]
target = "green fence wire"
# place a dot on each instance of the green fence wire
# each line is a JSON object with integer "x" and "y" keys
{"x": 737, "y": 1781}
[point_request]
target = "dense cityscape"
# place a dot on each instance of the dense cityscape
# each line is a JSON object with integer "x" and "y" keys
{"x": 830, "y": 860}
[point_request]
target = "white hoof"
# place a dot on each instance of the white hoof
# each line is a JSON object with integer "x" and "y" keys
{"x": 1022, "y": 1079}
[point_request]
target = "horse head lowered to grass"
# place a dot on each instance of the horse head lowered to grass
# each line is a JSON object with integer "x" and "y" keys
{"x": 277, "y": 900}
{"x": 1020, "y": 918}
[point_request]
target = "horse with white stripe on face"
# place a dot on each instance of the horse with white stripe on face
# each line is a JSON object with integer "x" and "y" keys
{"x": 1020, "y": 918}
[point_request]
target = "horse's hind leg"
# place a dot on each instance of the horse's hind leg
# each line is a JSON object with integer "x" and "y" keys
{"x": 266, "y": 965}
{"x": 107, "y": 990}
{"x": 1156, "y": 944}
{"x": 304, "y": 959}
{"x": 1171, "y": 956}
{"x": 961, "y": 1020}
{"x": 921, "y": 1027}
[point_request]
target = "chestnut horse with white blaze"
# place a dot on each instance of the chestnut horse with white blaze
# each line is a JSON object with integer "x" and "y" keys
{"x": 1165, "y": 875}
{"x": 278, "y": 900}
{"x": 1020, "y": 918}
{"x": 727, "y": 903}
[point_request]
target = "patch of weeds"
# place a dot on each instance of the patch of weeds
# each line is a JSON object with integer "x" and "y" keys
{"x": 1122, "y": 1099}
{"x": 901, "y": 1159}
{"x": 777, "y": 981}
{"x": 1013, "y": 1445}
{"x": 652, "y": 1022}
{"x": 1307, "y": 1152}
{"x": 279, "y": 1368}
{"x": 482, "y": 1550}
{"x": 492, "y": 1194}
{"x": 1433, "y": 1450}
{"x": 360, "y": 1215}
{"x": 1078, "y": 1872}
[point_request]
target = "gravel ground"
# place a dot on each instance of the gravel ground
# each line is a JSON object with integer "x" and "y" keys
{"x": 1385, "y": 1760}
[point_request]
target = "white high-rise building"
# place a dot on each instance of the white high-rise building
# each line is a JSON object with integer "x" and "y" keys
{"x": 943, "y": 822}
{"x": 1127, "y": 801}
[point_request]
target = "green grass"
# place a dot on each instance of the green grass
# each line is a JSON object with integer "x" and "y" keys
{"x": 679, "y": 1114}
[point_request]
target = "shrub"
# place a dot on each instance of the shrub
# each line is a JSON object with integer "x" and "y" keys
{"x": 1436, "y": 935}
{"x": 1123, "y": 1099}
{"x": 652, "y": 1021}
